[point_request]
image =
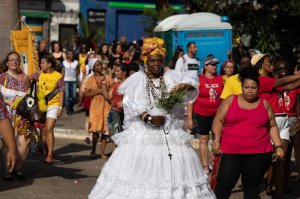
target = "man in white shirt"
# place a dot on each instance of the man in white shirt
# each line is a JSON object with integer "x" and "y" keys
{"x": 188, "y": 63}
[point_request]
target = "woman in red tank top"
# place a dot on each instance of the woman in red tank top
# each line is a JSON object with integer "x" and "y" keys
{"x": 241, "y": 131}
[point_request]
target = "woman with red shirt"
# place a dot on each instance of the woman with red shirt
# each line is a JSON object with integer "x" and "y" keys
{"x": 241, "y": 131}
{"x": 116, "y": 115}
{"x": 269, "y": 89}
{"x": 205, "y": 106}
{"x": 290, "y": 101}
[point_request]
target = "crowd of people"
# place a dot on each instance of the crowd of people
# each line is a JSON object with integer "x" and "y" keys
{"x": 250, "y": 109}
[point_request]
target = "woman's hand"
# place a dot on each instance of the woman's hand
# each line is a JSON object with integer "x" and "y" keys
{"x": 10, "y": 160}
{"x": 279, "y": 153}
{"x": 189, "y": 123}
{"x": 158, "y": 120}
{"x": 216, "y": 147}
{"x": 181, "y": 87}
{"x": 120, "y": 104}
{"x": 59, "y": 112}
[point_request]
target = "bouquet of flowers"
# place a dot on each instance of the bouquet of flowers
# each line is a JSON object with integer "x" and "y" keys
{"x": 176, "y": 96}
{"x": 169, "y": 101}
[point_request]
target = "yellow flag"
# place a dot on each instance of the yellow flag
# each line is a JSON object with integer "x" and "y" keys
{"x": 24, "y": 43}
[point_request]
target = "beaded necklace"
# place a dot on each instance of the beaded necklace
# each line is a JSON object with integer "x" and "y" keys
{"x": 155, "y": 92}
{"x": 158, "y": 92}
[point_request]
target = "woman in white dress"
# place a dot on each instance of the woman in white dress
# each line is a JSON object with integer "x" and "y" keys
{"x": 153, "y": 159}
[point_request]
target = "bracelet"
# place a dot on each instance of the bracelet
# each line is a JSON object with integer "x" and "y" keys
{"x": 144, "y": 116}
{"x": 278, "y": 146}
{"x": 60, "y": 107}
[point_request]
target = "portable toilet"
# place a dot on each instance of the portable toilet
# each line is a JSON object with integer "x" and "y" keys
{"x": 211, "y": 34}
{"x": 164, "y": 31}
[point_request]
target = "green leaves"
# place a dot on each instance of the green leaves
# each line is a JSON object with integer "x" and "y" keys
{"x": 169, "y": 102}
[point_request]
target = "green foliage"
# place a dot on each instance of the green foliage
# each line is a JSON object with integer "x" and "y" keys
{"x": 97, "y": 36}
{"x": 169, "y": 102}
{"x": 84, "y": 25}
{"x": 154, "y": 17}
{"x": 272, "y": 24}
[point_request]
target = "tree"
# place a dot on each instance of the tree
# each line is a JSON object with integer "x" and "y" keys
{"x": 9, "y": 16}
{"x": 162, "y": 5}
{"x": 273, "y": 25}
{"x": 162, "y": 11}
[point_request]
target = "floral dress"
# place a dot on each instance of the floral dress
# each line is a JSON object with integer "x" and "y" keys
{"x": 12, "y": 90}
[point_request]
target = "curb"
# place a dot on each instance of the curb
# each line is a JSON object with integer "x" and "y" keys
{"x": 70, "y": 133}
{"x": 81, "y": 135}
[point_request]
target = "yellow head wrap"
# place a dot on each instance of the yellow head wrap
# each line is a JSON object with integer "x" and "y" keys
{"x": 153, "y": 46}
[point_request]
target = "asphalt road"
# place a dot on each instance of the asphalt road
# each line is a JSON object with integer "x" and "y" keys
{"x": 72, "y": 176}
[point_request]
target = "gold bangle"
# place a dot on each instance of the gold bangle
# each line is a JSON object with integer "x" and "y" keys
{"x": 142, "y": 115}
{"x": 145, "y": 117}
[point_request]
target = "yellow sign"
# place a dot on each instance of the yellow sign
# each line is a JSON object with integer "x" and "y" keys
{"x": 24, "y": 43}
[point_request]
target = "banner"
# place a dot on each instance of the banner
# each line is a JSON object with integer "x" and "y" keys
{"x": 23, "y": 42}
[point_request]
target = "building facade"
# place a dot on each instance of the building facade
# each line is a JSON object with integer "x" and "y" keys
{"x": 118, "y": 18}
{"x": 52, "y": 19}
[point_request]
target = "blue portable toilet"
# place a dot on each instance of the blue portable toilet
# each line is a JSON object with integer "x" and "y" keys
{"x": 164, "y": 31}
{"x": 211, "y": 34}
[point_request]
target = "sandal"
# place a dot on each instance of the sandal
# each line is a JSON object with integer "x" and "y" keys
{"x": 49, "y": 159}
{"x": 103, "y": 157}
{"x": 19, "y": 174}
{"x": 8, "y": 177}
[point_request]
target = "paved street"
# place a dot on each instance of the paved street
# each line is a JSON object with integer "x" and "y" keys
{"x": 73, "y": 173}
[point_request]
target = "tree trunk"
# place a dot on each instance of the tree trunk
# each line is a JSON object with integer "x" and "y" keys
{"x": 9, "y": 16}
{"x": 162, "y": 5}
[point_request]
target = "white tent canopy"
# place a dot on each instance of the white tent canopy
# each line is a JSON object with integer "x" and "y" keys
{"x": 195, "y": 21}
{"x": 169, "y": 22}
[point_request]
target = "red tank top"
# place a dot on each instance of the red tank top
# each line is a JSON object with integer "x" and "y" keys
{"x": 246, "y": 131}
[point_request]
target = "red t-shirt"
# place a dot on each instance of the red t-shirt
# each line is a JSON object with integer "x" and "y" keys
{"x": 246, "y": 131}
{"x": 288, "y": 100}
{"x": 267, "y": 92}
{"x": 116, "y": 98}
{"x": 207, "y": 102}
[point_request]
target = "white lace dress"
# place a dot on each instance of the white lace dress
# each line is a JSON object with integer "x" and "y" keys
{"x": 140, "y": 167}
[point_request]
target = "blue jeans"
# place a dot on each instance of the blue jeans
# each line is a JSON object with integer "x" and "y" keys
{"x": 70, "y": 96}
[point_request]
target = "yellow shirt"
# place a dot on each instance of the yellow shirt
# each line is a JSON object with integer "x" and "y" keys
{"x": 224, "y": 78}
{"x": 47, "y": 83}
{"x": 233, "y": 86}
{"x": 82, "y": 61}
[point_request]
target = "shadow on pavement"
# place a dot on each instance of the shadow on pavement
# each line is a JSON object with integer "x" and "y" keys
{"x": 36, "y": 168}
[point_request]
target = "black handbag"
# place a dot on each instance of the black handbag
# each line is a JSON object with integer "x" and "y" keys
{"x": 52, "y": 94}
{"x": 28, "y": 107}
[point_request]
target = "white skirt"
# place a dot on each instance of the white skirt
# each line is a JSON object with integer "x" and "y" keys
{"x": 140, "y": 168}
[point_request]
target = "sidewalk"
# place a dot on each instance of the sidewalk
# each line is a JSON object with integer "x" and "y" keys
{"x": 71, "y": 126}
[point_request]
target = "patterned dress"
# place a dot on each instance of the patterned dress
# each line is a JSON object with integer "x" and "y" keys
{"x": 13, "y": 89}
{"x": 3, "y": 111}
